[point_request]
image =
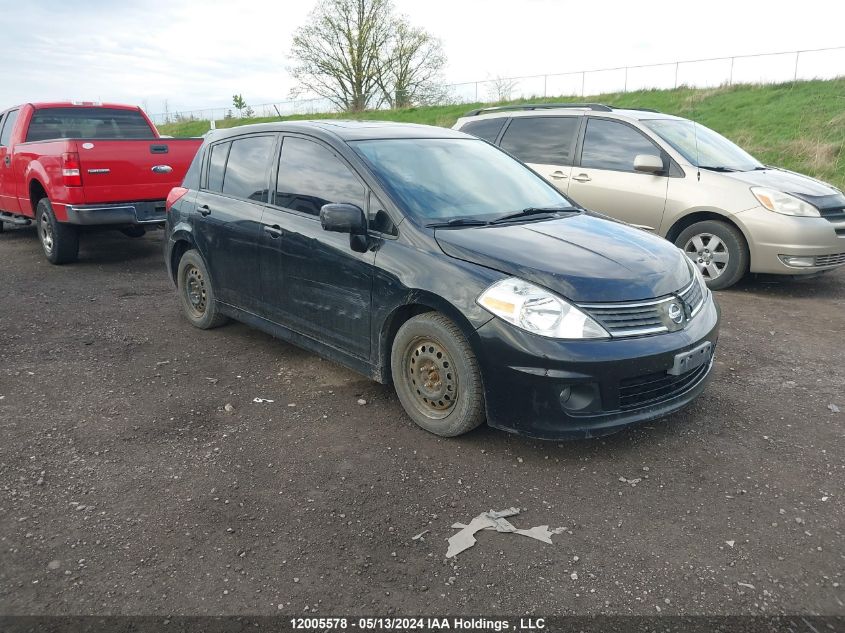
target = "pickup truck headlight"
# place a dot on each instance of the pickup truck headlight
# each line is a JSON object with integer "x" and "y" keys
{"x": 784, "y": 203}
{"x": 538, "y": 311}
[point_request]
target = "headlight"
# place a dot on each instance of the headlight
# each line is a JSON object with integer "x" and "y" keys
{"x": 702, "y": 283}
{"x": 784, "y": 203}
{"x": 538, "y": 311}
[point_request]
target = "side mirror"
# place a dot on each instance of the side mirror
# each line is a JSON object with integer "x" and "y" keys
{"x": 343, "y": 218}
{"x": 648, "y": 163}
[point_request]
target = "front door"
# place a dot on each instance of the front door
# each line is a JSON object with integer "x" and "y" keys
{"x": 8, "y": 184}
{"x": 605, "y": 180}
{"x": 311, "y": 280}
{"x": 546, "y": 144}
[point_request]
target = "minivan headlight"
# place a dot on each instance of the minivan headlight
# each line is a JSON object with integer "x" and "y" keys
{"x": 784, "y": 203}
{"x": 538, "y": 311}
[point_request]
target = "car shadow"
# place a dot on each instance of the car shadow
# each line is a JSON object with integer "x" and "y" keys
{"x": 826, "y": 285}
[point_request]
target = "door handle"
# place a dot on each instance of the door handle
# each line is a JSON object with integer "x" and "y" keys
{"x": 204, "y": 210}
{"x": 558, "y": 175}
{"x": 274, "y": 231}
{"x": 582, "y": 178}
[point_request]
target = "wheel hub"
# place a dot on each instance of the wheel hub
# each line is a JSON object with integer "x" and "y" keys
{"x": 709, "y": 253}
{"x": 433, "y": 377}
{"x": 46, "y": 233}
{"x": 195, "y": 287}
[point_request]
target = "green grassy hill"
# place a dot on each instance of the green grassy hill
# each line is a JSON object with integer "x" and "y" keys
{"x": 800, "y": 126}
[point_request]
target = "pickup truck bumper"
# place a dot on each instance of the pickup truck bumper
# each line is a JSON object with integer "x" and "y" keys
{"x": 149, "y": 212}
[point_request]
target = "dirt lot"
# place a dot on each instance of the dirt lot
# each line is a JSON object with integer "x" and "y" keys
{"x": 126, "y": 487}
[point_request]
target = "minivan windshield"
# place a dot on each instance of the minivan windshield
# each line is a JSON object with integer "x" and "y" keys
{"x": 702, "y": 146}
{"x": 441, "y": 180}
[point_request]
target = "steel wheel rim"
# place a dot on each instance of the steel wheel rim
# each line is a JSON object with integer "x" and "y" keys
{"x": 709, "y": 253}
{"x": 195, "y": 290}
{"x": 45, "y": 232}
{"x": 432, "y": 379}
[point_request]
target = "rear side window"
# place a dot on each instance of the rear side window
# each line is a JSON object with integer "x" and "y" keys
{"x": 8, "y": 126}
{"x": 310, "y": 176}
{"x": 217, "y": 165}
{"x": 246, "y": 169}
{"x": 613, "y": 145}
{"x": 192, "y": 176}
{"x": 93, "y": 123}
{"x": 542, "y": 140}
{"x": 488, "y": 129}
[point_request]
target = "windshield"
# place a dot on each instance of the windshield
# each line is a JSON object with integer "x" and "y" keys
{"x": 437, "y": 180}
{"x": 702, "y": 146}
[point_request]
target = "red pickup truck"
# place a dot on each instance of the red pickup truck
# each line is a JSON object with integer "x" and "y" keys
{"x": 69, "y": 166}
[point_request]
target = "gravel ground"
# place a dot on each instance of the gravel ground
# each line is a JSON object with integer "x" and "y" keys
{"x": 128, "y": 486}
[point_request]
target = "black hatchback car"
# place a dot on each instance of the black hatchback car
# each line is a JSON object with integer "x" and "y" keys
{"x": 431, "y": 259}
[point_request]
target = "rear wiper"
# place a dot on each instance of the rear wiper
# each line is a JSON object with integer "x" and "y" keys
{"x": 717, "y": 168}
{"x": 533, "y": 211}
{"x": 457, "y": 222}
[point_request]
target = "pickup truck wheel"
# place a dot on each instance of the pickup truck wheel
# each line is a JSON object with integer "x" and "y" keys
{"x": 134, "y": 231}
{"x": 59, "y": 241}
{"x": 196, "y": 292}
{"x": 436, "y": 376}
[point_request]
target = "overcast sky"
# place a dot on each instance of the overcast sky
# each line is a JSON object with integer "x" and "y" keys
{"x": 196, "y": 54}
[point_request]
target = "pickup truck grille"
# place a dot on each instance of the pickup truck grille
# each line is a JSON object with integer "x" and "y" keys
{"x": 641, "y": 318}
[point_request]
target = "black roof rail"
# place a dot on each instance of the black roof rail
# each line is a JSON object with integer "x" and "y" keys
{"x": 636, "y": 109}
{"x": 598, "y": 107}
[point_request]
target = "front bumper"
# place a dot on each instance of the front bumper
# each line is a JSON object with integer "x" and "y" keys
{"x": 147, "y": 212}
{"x": 525, "y": 376}
{"x": 775, "y": 238}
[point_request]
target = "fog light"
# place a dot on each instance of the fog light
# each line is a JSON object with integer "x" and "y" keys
{"x": 579, "y": 396}
{"x": 797, "y": 262}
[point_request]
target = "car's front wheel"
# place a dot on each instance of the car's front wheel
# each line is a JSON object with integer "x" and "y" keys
{"x": 196, "y": 292}
{"x": 718, "y": 250}
{"x": 436, "y": 375}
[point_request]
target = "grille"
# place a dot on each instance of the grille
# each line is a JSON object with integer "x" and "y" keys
{"x": 652, "y": 388}
{"x": 644, "y": 317}
{"x": 829, "y": 260}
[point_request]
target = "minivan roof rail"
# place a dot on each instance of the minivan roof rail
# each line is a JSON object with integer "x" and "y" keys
{"x": 599, "y": 107}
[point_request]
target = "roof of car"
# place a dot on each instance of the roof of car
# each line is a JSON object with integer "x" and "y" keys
{"x": 347, "y": 130}
{"x": 563, "y": 109}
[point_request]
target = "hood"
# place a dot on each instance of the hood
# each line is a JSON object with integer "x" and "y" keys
{"x": 816, "y": 192}
{"x": 581, "y": 258}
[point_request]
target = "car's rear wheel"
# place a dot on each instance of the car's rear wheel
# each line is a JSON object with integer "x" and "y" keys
{"x": 196, "y": 292}
{"x": 59, "y": 241}
{"x": 436, "y": 376}
{"x": 718, "y": 250}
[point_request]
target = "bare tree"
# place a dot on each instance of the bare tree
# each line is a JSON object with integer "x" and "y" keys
{"x": 409, "y": 71}
{"x": 501, "y": 88}
{"x": 337, "y": 53}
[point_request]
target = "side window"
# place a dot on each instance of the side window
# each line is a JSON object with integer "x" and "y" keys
{"x": 613, "y": 145}
{"x": 378, "y": 219}
{"x": 8, "y": 126}
{"x": 542, "y": 140}
{"x": 246, "y": 169}
{"x": 310, "y": 176}
{"x": 216, "y": 166}
{"x": 488, "y": 129}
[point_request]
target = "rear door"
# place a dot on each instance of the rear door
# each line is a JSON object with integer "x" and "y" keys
{"x": 605, "y": 179}
{"x": 8, "y": 184}
{"x": 545, "y": 143}
{"x": 227, "y": 216}
{"x": 311, "y": 280}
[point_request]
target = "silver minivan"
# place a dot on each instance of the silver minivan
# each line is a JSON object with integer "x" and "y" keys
{"x": 665, "y": 174}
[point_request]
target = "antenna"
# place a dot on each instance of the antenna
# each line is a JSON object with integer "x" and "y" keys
{"x": 697, "y": 154}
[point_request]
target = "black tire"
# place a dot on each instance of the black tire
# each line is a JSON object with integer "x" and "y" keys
{"x": 431, "y": 348}
{"x": 134, "y": 231}
{"x": 2, "y": 226}
{"x": 196, "y": 292}
{"x": 718, "y": 249}
{"x": 59, "y": 241}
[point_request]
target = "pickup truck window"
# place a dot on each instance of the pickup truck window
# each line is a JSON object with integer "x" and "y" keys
{"x": 90, "y": 123}
{"x": 8, "y": 126}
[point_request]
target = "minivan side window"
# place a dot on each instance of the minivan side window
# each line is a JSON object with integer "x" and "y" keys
{"x": 613, "y": 145}
{"x": 8, "y": 126}
{"x": 310, "y": 176}
{"x": 488, "y": 129}
{"x": 217, "y": 165}
{"x": 542, "y": 140}
{"x": 246, "y": 169}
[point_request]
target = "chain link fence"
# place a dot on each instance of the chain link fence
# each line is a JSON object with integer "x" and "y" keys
{"x": 762, "y": 68}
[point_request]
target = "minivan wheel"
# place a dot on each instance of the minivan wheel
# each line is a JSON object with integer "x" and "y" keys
{"x": 196, "y": 292}
{"x": 60, "y": 242}
{"x": 718, "y": 250}
{"x": 436, "y": 376}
